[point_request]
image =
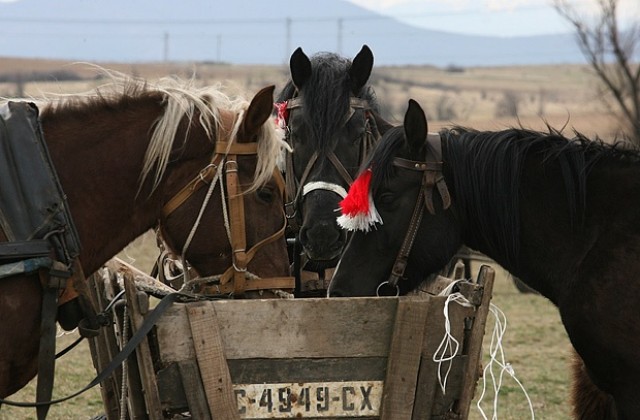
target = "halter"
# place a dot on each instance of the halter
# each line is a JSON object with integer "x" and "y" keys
{"x": 297, "y": 189}
{"x": 236, "y": 279}
{"x": 431, "y": 169}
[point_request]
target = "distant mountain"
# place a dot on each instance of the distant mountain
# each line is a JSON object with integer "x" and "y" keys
{"x": 249, "y": 32}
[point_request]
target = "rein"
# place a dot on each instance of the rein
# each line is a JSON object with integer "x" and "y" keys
{"x": 432, "y": 177}
{"x": 236, "y": 279}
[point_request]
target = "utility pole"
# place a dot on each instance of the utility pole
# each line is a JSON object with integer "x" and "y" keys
{"x": 340, "y": 22}
{"x": 288, "y": 39}
{"x": 219, "y": 48}
{"x": 166, "y": 47}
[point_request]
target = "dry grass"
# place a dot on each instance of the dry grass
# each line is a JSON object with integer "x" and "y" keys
{"x": 562, "y": 95}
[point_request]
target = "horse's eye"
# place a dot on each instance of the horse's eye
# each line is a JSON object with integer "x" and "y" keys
{"x": 386, "y": 200}
{"x": 265, "y": 194}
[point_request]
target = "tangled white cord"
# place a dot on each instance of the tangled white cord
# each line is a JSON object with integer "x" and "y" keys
{"x": 497, "y": 357}
{"x": 449, "y": 344}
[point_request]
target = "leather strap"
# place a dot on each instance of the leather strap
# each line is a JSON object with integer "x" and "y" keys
{"x": 224, "y": 148}
{"x": 237, "y": 226}
{"x": 294, "y": 186}
{"x": 203, "y": 178}
{"x": 251, "y": 284}
{"x": 400, "y": 264}
{"x": 52, "y": 284}
{"x": 432, "y": 176}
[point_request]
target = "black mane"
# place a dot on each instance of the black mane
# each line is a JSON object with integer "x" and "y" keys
{"x": 326, "y": 97}
{"x": 476, "y": 159}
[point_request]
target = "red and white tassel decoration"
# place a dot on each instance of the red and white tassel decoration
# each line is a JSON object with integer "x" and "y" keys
{"x": 358, "y": 209}
{"x": 282, "y": 113}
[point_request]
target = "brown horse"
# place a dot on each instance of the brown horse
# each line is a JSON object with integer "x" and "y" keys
{"x": 121, "y": 154}
{"x": 561, "y": 214}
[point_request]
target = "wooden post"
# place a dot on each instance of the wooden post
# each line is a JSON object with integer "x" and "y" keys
{"x": 103, "y": 348}
{"x": 485, "y": 279}
{"x": 143, "y": 354}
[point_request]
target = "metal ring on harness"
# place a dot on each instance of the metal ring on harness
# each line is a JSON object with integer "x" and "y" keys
{"x": 204, "y": 171}
{"x": 384, "y": 283}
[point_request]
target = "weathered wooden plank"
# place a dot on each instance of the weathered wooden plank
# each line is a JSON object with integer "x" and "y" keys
{"x": 404, "y": 359}
{"x": 356, "y": 327}
{"x": 171, "y": 390}
{"x": 444, "y": 401}
{"x": 308, "y": 370}
{"x": 192, "y": 385}
{"x": 103, "y": 348}
{"x": 143, "y": 354}
{"x": 211, "y": 361}
{"x": 474, "y": 350}
{"x": 428, "y": 373}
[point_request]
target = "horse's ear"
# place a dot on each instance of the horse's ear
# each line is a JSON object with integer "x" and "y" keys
{"x": 415, "y": 127}
{"x": 258, "y": 112}
{"x": 360, "y": 69}
{"x": 300, "y": 66}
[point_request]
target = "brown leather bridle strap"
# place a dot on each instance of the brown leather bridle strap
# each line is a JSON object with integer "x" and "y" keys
{"x": 225, "y": 284}
{"x": 400, "y": 263}
{"x": 236, "y": 221}
{"x": 223, "y": 148}
{"x": 225, "y": 153}
{"x": 340, "y": 167}
{"x": 204, "y": 177}
{"x": 432, "y": 176}
{"x": 295, "y": 187}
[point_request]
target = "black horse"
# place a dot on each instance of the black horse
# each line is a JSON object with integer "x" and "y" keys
{"x": 561, "y": 214}
{"x": 331, "y": 117}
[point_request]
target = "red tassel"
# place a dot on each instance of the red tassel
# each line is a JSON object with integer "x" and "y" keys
{"x": 282, "y": 113}
{"x": 357, "y": 200}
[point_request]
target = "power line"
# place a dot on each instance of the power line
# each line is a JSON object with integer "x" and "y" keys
{"x": 235, "y": 21}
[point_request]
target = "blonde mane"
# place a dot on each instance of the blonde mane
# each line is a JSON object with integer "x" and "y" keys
{"x": 181, "y": 99}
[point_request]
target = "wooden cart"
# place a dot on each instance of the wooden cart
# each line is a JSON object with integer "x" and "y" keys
{"x": 365, "y": 358}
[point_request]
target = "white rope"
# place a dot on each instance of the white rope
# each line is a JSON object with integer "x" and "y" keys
{"x": 497, "y": 357}
{"x": 225, "y": 213}
{"x": 212, "y": 186}
{"x": 125, "y": 371}
{"x": 449, "y": 344}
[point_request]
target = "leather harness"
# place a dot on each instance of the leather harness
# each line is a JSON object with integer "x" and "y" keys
{"x": 295, "y": 188}
{"x": 432, "y": 177}
{"x": 235, "y": 280}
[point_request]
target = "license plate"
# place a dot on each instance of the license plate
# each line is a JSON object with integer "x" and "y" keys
{"x": 316, "y": 399}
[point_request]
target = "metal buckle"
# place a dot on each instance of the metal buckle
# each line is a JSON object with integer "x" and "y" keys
{"x": 385, "y": 283}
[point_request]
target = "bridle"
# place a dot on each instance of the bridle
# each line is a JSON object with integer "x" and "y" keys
{"x": 432, "y": 177}
{"x": 223, "y": 169}
{"x": 297, "y": 189}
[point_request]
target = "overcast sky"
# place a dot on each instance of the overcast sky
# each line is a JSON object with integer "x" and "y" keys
{"x": 489, "y": 17}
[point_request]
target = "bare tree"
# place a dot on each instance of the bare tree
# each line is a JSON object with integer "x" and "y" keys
{"x": 611, "y": 52}
{"x": 508, "y": 105}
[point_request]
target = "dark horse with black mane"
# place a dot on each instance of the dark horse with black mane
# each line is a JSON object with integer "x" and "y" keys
{"x": 331, "y": 117}
{"x": 561, "y": 214}
{"x": 135, "y": 155}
